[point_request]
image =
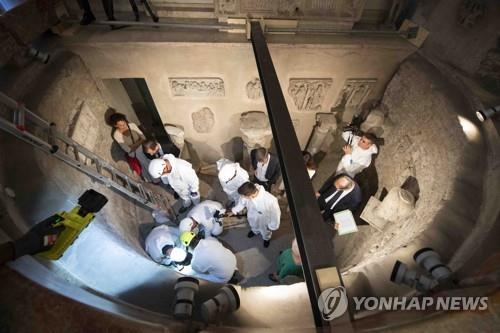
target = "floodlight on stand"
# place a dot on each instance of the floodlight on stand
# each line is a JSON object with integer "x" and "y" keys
{"x": 482, "y": 115}
{"x": 225, "y": 302}
{"x": 403, "y": 276}
{"x": 185, "y": 289}
{"x": 429, "y": 260}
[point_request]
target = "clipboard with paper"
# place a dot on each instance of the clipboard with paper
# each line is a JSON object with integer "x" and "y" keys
{"x": 347, "y": 224}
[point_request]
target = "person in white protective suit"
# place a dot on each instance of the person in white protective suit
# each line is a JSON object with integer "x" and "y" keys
{"x": 357, "y": 153}
{"x": 210, "y": 259}
{"x": 161, "y": 245}
{"x": 204, "y": 217}
{"x": 231, "y": 177}
{"x": 179, "y": 174}
{"x": 263, "y": 210}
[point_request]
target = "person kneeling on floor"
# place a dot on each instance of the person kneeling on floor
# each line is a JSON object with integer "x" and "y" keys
{"x": 289, "y": 264}
{"x": 161, "y": 246}
{"x": 204, "y": 218}
{"x": 210, "y": 259}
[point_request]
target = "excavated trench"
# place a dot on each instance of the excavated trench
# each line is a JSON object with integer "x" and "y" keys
{"x": 425, "y": 138}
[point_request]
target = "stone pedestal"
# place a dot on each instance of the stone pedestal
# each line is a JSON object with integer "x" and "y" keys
{"x": 398, "y": 204}
{"x": 255, "y": 129}
{"x": 374, "y": 122}
{"x": 176, "y": 135}
{"x": 325, "y": 125}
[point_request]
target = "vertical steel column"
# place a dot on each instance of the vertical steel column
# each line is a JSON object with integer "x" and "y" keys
{"x": 314, "y": 237}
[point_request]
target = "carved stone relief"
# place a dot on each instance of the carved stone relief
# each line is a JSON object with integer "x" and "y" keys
{"x": 226, "y": 6}
{"x": 337, "y": 12}
{"x": 203, "y": 120}
{"x": 256, "y": 130}
{"x": 197, "y": 87}
{"x": 257, "y": 5}
{"x": 309, "y": 94}
{"x": 355, "y": 92}
{"x": 290, "y": 7}
{"x": 470, "y": 12}
{"x": 254, "y": 89}
{"x": 325, "y": 125}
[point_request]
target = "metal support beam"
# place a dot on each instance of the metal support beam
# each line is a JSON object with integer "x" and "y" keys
{"x": 314, "y": 237}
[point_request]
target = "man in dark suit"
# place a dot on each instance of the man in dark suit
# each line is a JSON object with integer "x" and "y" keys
{"x": 155, "y": 149}
{"x": 337, "y": 194}
{"x": 266, "y": 167}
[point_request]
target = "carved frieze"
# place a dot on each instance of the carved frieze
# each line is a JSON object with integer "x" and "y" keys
{"x": 226, "y": 6}
{"x": 355, "y": 92}
{"x": 309, "y": 94}
{"x": 258, "y": 6}
{"x": 350, "y": 10}
{"x": 197, "y": 87}
{"x": 254, "y": 89}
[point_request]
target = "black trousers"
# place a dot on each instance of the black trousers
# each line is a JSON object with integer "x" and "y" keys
{"x": 267, "y": 185}
{"x": 106, "y": 4}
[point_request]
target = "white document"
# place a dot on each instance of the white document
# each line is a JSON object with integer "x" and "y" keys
{"x": 346, "y": 222}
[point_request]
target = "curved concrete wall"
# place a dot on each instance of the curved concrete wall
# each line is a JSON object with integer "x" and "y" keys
{"x": 107, "y": 259}
{"x": 423, "y": 108}
{"x": 433, "y": 136}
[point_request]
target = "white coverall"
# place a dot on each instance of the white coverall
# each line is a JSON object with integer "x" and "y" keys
{"x": 359, "y": 159}
{"x": 203, "y": 213}
{"x": 183, "y": 179}
{"x": 263, "y": 212}
{"x": 212, "y": 261}
{"x": 230, "y": 186}
{"x": 158, "y": 238}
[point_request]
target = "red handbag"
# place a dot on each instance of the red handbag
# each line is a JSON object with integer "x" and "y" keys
{"x": 134, "y": 164}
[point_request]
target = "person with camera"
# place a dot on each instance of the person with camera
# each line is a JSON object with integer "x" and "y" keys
{"x": 205, "y": 217}
{"x": 357, "y": 152}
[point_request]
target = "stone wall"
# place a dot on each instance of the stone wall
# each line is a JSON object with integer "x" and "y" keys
{"x": 185, "y": 78}
{"x": 427, "y": 140}
{"x": 63, "y": 92}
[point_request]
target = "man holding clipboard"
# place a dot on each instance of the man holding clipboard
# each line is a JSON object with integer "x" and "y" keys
{"x": 338, "y": 194}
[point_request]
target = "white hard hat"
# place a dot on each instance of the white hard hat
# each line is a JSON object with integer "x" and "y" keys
{"x": 185, "y": 225}
{"x": 156, "y": 167}
{"x": 177, "y": 254}
{"x": 227, "y": 172}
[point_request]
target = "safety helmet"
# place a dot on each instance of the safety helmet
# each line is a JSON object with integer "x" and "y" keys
{"x": 178, "y": 254}
{"x": 186, "y": 237}
{"x": 156, "y": 167}
{"x": 227, "y": 172}
{"x": 186, "y": 224}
